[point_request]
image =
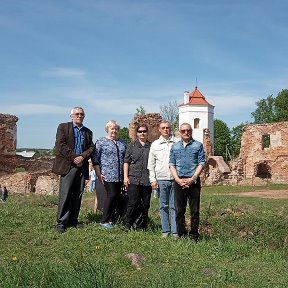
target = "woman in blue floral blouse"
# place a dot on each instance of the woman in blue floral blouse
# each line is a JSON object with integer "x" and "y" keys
{"x": 108, "y": 162}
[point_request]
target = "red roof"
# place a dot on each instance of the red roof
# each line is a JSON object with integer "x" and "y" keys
{"x": 196, "y": 98}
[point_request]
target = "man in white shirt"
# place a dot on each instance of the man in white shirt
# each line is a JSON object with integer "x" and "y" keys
{"x": 161, "y": 178}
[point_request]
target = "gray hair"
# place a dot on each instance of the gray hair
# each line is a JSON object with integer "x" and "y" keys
{"x": 111, "y": 123}
{"x": 186, "y": 124}
{"x": 164, "y": 122}
{"x": 76, "y": 108}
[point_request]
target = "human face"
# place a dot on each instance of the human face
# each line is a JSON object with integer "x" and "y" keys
{"x": 78, "y": 116}
{"x": 113, "y": 132}
{"x": 142, "y": 134}
{"x": 186, "y": 132}
{"x": 165, "y": 130}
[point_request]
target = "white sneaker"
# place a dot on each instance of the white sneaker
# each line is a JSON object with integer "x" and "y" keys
{"x": 165, "y": 235}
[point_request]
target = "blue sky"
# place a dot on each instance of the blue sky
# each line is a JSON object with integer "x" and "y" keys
{"x": 111, "y": 57}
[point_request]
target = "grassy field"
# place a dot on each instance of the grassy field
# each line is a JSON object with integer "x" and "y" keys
{"x": 244, "y": 243}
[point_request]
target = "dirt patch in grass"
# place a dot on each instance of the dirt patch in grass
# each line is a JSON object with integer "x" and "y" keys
{"x": 272, "y": 194}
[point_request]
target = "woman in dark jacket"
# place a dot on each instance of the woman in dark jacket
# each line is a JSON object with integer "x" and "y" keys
{"x": 136, "y": 178}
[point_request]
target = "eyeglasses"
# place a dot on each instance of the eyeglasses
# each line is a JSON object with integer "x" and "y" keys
{"x": 185, "y": 131}
{"x": 163, "y": 128}
{"x": 79, "y": 114}
{"x": 142, "y": 131}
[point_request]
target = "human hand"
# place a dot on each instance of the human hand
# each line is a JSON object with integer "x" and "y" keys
{"x": 126, "y": 182}
{"x": 182, "y": 182}
{"x": 154, "y": 185}
{"x": 78, "y": 161}
{"x": 102, "y": 179}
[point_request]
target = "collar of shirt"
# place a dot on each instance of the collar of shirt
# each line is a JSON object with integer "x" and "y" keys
{"x": 140, "y": 145}
{"x": 189, "y": 143}
{"x": 163, "y": 140}
{"x": 75, "y": 126}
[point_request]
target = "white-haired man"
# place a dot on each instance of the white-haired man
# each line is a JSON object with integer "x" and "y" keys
{"x": 74, "y": 148}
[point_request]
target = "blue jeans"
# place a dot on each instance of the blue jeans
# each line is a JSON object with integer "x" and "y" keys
{"x": 92, "y": 185}
{"x": 166, "y": 201}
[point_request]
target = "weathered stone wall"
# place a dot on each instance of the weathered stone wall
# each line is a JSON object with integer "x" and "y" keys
{"x": 27, "y": 183}
{"x": 37, "y": 179}
{"x": 264, "y": 153}
{"x": 8, "y": 164}
{"x": 152, "y": 120}
{"x": 8, "y": 134}
{"x": 207, "y": 143}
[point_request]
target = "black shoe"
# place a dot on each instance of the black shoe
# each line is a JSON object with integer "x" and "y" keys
{"x": 194, "y": 239}
{"x": 79, "y": 226}
{"x": 126, "y": 228}
{"x": 60, "y": 229}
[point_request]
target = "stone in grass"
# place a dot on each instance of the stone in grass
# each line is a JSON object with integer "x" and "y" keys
{"x": 135, "y": 259}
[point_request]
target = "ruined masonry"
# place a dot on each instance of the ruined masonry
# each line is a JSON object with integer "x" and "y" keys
{"x": 264, "y": 153}
{"x": 8, "y": 134}
{"x": 37, "y": 179}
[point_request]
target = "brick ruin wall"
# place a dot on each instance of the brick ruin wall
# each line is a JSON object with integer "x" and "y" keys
{"x": 37, "y": 179}
{"x": 264, "y": 153}
{"x": 152, "y": 120}
{"x": 8, "y": 134}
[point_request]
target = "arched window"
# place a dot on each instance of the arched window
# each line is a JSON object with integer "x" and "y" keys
{"x": 196, "y": 123}
{"x": 263, "y": 170}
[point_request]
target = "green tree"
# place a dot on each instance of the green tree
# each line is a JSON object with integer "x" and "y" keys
{"x": 140, "y": 111}
{"x": 124, "y": 135}
{"x": 265, "y": 111}
{"x": 54, "y": 151}
{"x": 236, "y": 135}
{"x": 272, "y": 109}
{"x": 281, "y": 106}
{"x": 170, "y": 113}
{"x": 222, "y": 139}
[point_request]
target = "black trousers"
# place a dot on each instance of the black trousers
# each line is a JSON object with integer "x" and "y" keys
{"x": 112, "y": 202}
{"x": 70, "y": 195}
{"x": 139, "y": 197}
{"x": 192, "y": 194}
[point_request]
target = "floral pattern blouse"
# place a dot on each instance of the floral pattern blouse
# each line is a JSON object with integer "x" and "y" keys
{"x": 109, "y": 155}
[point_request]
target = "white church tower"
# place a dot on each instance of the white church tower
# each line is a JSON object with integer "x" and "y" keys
{"x": 198, "y": 113}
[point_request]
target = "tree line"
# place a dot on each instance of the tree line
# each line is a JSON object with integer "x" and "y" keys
{"x": 227, "y": 142}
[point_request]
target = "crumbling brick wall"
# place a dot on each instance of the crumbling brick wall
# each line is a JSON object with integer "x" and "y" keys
{"x": 264, "y": 152}
{"x": 31, "y": 183}
{"x": 207, "y": 143}
{"x": 152, "y": 120}
{"x": 8, "y": 134}
{"x": 27, "y": 182}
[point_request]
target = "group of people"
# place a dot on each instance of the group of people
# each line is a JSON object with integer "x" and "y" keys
{"x": 3, "y": 193}
{"x": 170, "y": 165}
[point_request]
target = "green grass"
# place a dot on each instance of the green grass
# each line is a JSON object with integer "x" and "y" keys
{"x": 244, "y": 243}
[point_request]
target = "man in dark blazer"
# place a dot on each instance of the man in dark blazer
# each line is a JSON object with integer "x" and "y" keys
{"x": 74, "y": 147}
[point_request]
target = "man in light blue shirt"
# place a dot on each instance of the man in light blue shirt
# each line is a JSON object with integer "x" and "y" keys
{"x": 187, "y": 159}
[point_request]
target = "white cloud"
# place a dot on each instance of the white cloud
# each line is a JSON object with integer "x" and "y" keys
{"x": 62, "y": 72}
{"x": 124, "y": 106}
{"x": 33, "y": 109}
